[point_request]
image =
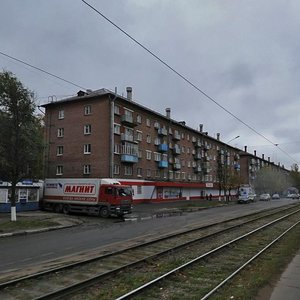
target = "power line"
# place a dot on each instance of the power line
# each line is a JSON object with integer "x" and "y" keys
{"x": 185, "y": 78}
{"x": 41, "y": 70}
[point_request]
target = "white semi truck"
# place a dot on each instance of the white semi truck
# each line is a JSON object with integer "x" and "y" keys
{"x": 103, "y": 197}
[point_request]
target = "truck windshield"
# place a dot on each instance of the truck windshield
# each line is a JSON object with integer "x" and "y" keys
{"x": 124, "y": 191}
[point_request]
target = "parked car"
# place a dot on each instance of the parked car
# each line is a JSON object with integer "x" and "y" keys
{"x": 265, "y": 197}
{"x": 293, "y": 196}
{"x": 275, "y": 196}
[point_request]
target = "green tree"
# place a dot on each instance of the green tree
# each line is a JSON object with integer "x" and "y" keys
{"x": 21, "y": 137}
{"x": 295, "y": 176}
{"x": 269, "y": 180}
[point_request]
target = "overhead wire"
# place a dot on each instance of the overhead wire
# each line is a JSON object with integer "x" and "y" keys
{"x": 165, "y": 64}
{"x": 41, "y": 70}
{"x": 186, "y": 79}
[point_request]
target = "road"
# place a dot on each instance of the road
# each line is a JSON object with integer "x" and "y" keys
{"x": 18, "y": 252}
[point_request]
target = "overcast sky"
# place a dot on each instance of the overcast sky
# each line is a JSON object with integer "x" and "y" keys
{"x": 243, "y": 54}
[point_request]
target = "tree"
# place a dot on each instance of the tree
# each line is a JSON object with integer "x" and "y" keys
{"x": 269, "y": 180}
{"x": 21, "y": 137}
{"x": 295, "y": 176}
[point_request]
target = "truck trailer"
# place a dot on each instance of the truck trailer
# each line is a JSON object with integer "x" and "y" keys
{"x": 103, "y": 197}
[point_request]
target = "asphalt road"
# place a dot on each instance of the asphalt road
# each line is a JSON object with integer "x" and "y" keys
{"x": 18, "y": 252}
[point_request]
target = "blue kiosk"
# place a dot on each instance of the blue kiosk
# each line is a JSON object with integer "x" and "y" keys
{"x": 28, "y": 195}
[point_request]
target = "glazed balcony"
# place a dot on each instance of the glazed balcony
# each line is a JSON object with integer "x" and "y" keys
{"x": 197, "y": 169}
{"x": 176, "y": 166}
{"x": 163, "y": 148}
{"x": 163, "y": 164}
{"x": 176, "y": 150}
{"x": 128, "y": 121}
{"x": 129, "y": 158}
{"x": 162, "y": 131}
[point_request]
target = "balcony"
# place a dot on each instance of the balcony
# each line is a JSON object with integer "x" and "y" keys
{"x": 127, "y": 137}
{"x": 129, "y": 158}
{"x": 206, "y": 171}
{"x": 176, "y": 166}
{"x": 163, "y": 164}
{"x": 176, "y": 150}
{"x": 162, "y": 131}
{"x": 128, "y": 121}
{"x": 163, "y": 148}
{"x": 197, "y": 156}
{"x": 198, "y": 144}
{"x": 176, "y": 136}
{"x": 197, "y": 169}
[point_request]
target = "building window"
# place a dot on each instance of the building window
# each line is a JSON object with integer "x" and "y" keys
{"x": 148, "y": 173}
{"x": 148, "y": 138}
{"x": 148, "y": 154}
{"x": 139, "y": 119}
{"x": 117, "y": 109}
{"x": 171, "y": 175}
{"x": 157, "y": 156}
{"x": 183, "y": 175}
{"x": 117, "y": 129}
{"x": 156, "y": 125}
{"x": 116, "y": 169}
{"x": 87, "y": 148}
{"x": 140, "y": 153}
{"x": 182, "y": 149}
{"x": 61, "y": 114}
{"x": 139, "y": 136}
{"x": 157, "y": 141}
{"x": 117, "y": 149}
{"x": 139, "y": 190}
{"x": 139, "y": 172}
{"x": 182, "y": 135}
{"x": 177, "y": 175}
{"x": 128, "y": 170}
{"x": 183, "y": 162}
{"x": 148, "y": 123}
{"x": 60, "y": 132}
{"x": 188, "y": 137}
{"x": 157, "y": 173}
{"x": 87, "y": 129}
{"x": 86, "y": 169}
{"x": 59, "y": 170}
{"x": 87, "y": 110}
{"x": 60, "y": 150}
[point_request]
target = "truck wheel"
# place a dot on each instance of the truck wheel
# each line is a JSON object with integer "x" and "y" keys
{"x": 104, "y": 212}
{"x": 66, "y": 209}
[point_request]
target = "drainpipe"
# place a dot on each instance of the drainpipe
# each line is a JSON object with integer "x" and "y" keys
{"x": 112, "y": 136}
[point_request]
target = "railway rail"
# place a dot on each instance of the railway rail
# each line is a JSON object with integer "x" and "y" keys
{"x": 71, "y": 279}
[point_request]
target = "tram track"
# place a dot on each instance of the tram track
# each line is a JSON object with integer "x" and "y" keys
{"x": 204, "y": 276}
{"x": 70, "y": 279}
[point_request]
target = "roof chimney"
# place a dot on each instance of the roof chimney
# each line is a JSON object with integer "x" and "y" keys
{"x": 129, "y": 93}
{"x": 263, "y": 156}
{"x": 201, "y": 127}
{"x": 245, "y": 148}
{"x": 168, "y": 112}
{"x": 268, "y": 158}
{"x": 218, "y": 136}
{"x": 254, "y": 152}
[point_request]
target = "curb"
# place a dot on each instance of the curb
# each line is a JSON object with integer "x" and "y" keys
{"x": 32, "y": 231}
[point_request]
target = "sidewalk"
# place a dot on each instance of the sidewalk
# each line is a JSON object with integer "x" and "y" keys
{"x": 288, "y": 287}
